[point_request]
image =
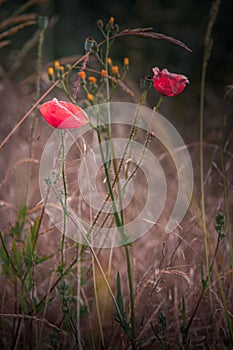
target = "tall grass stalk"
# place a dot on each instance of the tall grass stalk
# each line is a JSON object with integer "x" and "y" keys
{"x": 97, "y": 301}
{"x": 42, "y": 23}
{"x": 119, "y": 219}
{"x": 206, "y": 56}
{"x": 226, "y": 195}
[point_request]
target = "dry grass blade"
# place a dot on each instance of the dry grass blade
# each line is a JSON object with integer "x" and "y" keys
{"x": 35, "y": 105}
{"x": 4, "y": 43}
{"x": 27, "y": 114}
{"x": 17, "y": 28}
{"x": 15, "y": 166}
{"x": 28, "y": 317}
{"x": 126, "y": 89}
{"x": 17, "y": 19}
{"x": 122, "y": 85}
{"x": 148, "y": 34}
{"x": 27, "y": 5}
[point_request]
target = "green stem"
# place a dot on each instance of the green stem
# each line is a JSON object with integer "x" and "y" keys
{"x": 146, "y": 144}
{"x": 194, "y": 313}
{"x": 116, "y": 215}
{"x": 65, "y": 197}
{"x": 119, "y": 220}
{"x": 79, "y": 278}
{"x": 67, "y": 91}
{"x": 160, "y": 101}
{"x": 133, "y": 133}
{"x": 131, "y": 291}
{"x": 117, "y": 173}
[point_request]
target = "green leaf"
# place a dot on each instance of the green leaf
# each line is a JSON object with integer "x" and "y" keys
{"x": 122, "y": 318}
{"x": 5, "y": 256}
{"x": 220, "y": 225}
{"x": 17, "y": 230}
{"x": 17, "y": 259}
{"x": 204, "y": 281}
{"x": 54, "y": 340}
{"x": 29, "y": 282}
{"x": 163, "y": 322}
{"x": 60, "y": 268}
{"x": 40, "y": 259}
{"x": 28, "y": 252}
{"x": 155, "y": 333}
{"x": 34, "y": 231}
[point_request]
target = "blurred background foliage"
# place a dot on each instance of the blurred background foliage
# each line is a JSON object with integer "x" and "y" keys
{"x": 74, "y": 20}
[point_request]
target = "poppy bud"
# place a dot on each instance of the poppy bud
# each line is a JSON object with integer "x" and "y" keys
{"x": 43, "y": 22}
{"x": 100, "y": 24}
{"x": 146, "y": 83}
{"x": 90, "y": 44}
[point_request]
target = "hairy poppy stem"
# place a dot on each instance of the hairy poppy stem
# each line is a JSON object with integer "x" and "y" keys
{"x": 65, "y": 197}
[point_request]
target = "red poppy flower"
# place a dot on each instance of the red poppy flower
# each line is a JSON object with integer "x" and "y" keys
{"x": 169, "y": 84}
{"x": 63, "y": 115}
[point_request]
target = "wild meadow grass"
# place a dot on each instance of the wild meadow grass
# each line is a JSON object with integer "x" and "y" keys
{"x": 162, "y": 291}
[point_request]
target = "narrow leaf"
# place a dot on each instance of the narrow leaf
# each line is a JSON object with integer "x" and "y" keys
{"x": 122, "y": 317}
{"x": 148, "y": 34}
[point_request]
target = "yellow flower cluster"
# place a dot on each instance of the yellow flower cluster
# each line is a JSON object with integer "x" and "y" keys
{"x": 56, "y": 71}
{"x": 114, "y": 69}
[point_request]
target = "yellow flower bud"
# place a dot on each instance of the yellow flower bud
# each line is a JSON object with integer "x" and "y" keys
{"x": 109, "y": 61}
{"x": 90, "y": 97}
{"x": 92, "y": 79}
{"x": 50, "y": 73}
{"x": 115, "y": 70}
{"x": 82, "y": 75}
{"x": 103, "y": 73}
{"x": 56, "y": 65}
{"x": 126, "y": 61}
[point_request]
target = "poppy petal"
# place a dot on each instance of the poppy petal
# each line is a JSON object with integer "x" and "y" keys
{"x": 167, "y": 83}
{"x": 63, "y": 114}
